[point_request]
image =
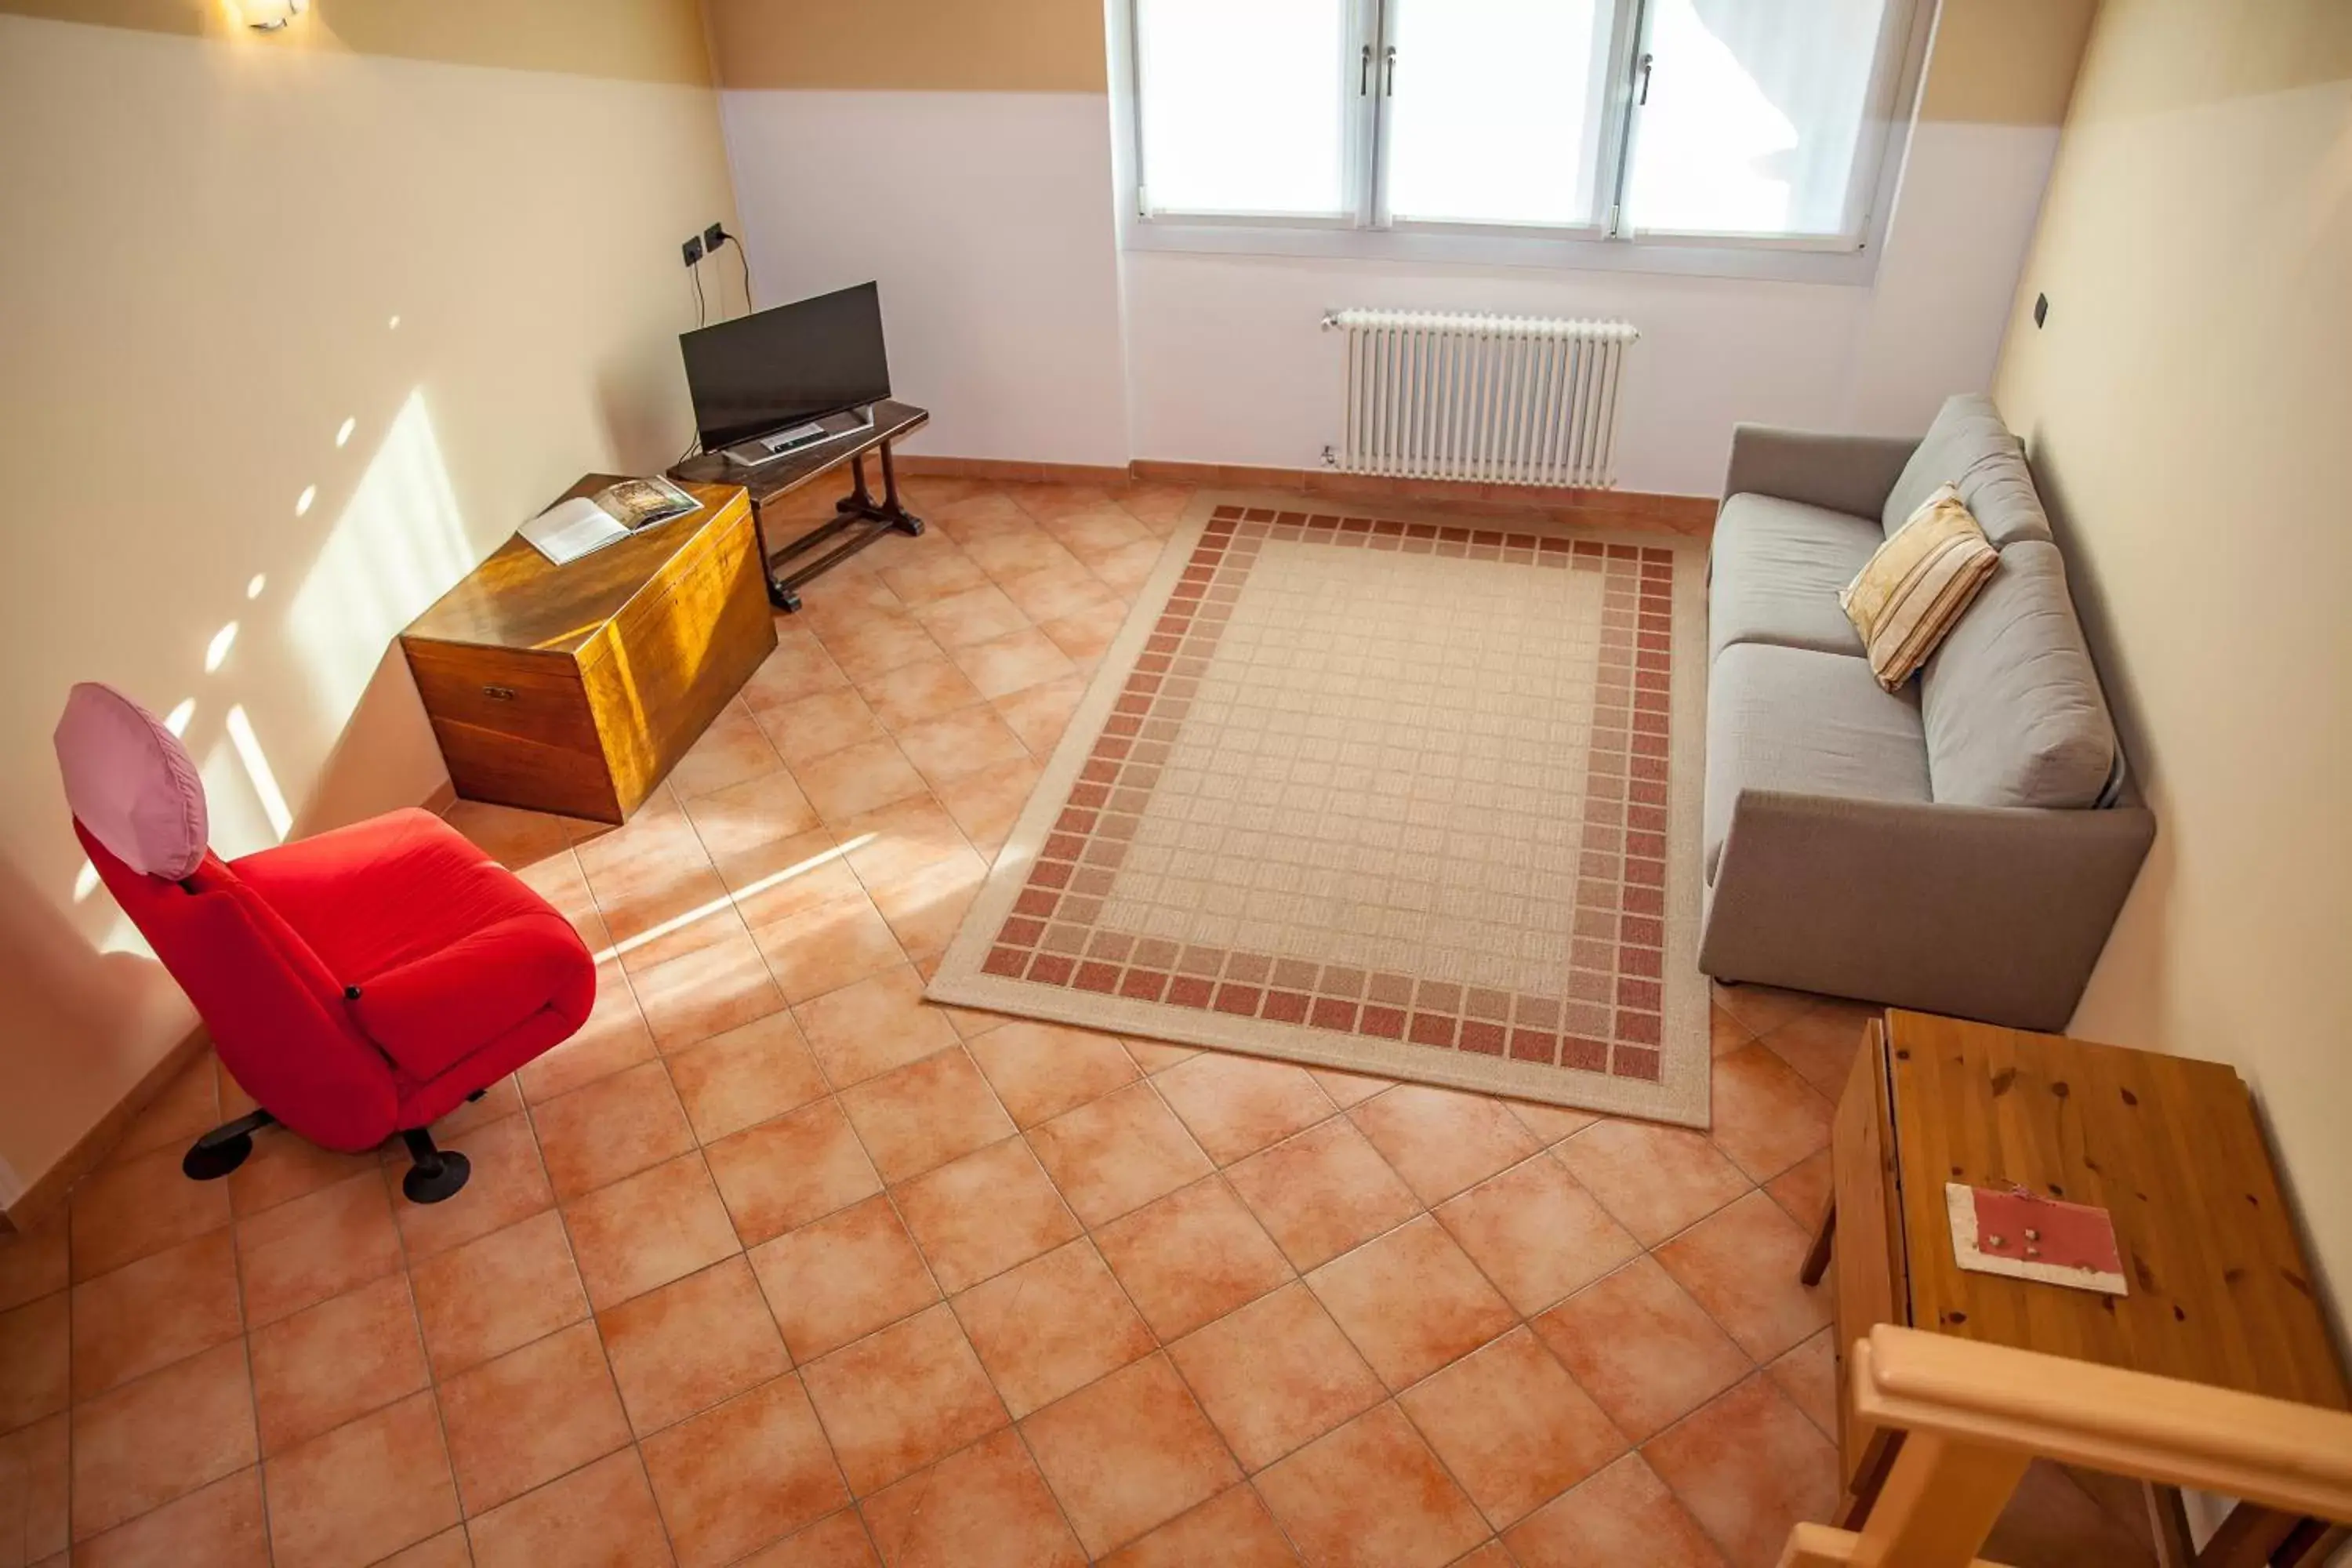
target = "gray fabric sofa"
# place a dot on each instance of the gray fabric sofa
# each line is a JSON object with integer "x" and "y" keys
{"x": 1962, "y": 846}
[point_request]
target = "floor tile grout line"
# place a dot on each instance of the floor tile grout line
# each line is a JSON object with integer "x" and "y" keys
{"x": 931, "y": 1273}
{"x": 603, "y": 1352}
{"x": 424, "y": 1346}
{"x": 1162, "y": 1345}
{"x": 1299, "y": 1275}
{"x": 1161, "y": 1342}
{"x": 1754, "y": 1184}
{"x": 1521, "y": 1319}
{"x": 244, "y": 1340}
{"x": 1393, "y": 1396}
{"x": 1215, "y": 1167}
{"x": 1526, "y": 1321}
{"x": 1389, "y": 1397}
{"x": 768, "y": 963}
{"x": 1754, "y": 1373}
{"x": 948, "y": 1300}
{"x": 793, "y": 1368}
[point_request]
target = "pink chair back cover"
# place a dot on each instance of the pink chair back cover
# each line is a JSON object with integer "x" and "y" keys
{"x": 130, "y": 783}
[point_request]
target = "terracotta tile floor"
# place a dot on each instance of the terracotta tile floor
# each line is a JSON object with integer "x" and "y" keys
{"x": 774, "y": 1263}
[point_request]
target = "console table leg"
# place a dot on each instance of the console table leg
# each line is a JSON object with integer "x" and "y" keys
{"x": 859, "y": 501}
{"x": 894, "y": 509}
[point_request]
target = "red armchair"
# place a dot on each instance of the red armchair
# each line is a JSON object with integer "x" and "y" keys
{"x": 358, "y": 983}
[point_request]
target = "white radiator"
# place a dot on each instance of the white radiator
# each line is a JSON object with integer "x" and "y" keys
{"x": 1515, "y": 400}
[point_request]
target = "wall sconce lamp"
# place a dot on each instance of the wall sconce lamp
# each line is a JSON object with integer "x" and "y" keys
{"x": 271, "y": 15}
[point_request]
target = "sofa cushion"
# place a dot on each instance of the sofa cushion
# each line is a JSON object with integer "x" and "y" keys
{"x": 1775, "y": 572}
{"x": 1808, "y": 723}
{"x": 1918, "y": 585}
{"x": 2012, "y": 706}
{"x": 1970, "y": 448}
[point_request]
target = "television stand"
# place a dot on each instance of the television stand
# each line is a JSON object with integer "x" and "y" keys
{"x": 858, "y": 517}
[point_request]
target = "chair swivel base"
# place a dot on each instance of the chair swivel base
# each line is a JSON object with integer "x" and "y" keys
{"x": 225, "y": 1148}
{"x": 436, "y": 1174}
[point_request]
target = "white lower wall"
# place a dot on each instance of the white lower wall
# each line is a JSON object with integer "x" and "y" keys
{"x": 1013, "y": 315}
{"x": 986, "y": 218}
{"x": 1227, "y": 362}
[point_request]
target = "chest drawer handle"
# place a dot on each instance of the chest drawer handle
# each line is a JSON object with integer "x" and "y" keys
{"x": 499, "y": 693}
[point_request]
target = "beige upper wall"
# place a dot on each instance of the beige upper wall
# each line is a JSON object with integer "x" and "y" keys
{"x": 979, "y": 45}
{"x": 2007, "y": 62}
{"x": 2183, "y": 55}
{"x": 638, "y": 40}
{"x": 206, "y": 240}
{"x": 2186, "y": 410}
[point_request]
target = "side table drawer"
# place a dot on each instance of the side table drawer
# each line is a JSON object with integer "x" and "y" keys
{"x": 1868, "y": 1254}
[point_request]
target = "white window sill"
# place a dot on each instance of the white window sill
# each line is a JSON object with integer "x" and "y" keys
{"x": 1809, "y": 261}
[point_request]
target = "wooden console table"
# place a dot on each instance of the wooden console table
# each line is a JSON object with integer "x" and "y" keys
{"x": 2220, "y": 1290}
{"x": 859, "y": 518}
{"x": 575, "y": 688}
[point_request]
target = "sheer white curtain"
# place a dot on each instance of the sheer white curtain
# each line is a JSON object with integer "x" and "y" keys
{"x": 1754, "y": 117}
{"x": 1496, "y": 111}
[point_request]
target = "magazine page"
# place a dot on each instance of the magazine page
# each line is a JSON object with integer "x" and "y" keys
{"x": 640, "y": 503}
{"x": 570, "y": 529}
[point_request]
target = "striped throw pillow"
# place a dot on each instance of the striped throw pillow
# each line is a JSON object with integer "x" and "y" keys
{"x": 1917, "y": 584}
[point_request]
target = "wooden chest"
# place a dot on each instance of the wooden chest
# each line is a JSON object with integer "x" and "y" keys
{"x": 575, "y": 688}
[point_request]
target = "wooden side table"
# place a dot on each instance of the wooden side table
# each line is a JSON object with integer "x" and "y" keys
{"x": 859, "y": 518}
{"x": 2220, "y": 1290}
{"x": 575, "y": 688}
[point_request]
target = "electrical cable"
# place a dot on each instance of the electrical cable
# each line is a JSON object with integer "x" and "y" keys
{"x": 743, "y": 260}
{"x": 701, "y": 314}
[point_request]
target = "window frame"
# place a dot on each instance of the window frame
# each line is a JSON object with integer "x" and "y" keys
{"x": 1368, "y": 233}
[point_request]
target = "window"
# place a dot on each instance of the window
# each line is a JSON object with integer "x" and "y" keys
{"x": 1730, "y": 123}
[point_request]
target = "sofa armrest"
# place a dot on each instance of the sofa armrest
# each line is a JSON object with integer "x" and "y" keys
{"x": 1982, "y": 913}
{"x": 1852, "y": 474}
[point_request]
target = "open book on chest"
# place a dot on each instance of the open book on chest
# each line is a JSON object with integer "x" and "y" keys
{"x": 570, "y": 529}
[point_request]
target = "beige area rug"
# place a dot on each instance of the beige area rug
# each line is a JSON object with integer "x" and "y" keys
{"x": 1411, "y": 796}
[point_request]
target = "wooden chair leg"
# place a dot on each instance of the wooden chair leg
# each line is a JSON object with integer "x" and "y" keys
{"x": 1941, "y": 1499}
{"x": 2249, "y": 1535}
{"x": 2169, "y": 1522}
{"x": 2314, "y": 1541}
{"x": 1817, "y": 1256}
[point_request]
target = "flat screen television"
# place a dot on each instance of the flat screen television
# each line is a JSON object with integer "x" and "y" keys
{"x": 786, "y": 366}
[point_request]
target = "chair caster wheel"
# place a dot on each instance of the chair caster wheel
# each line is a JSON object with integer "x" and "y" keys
{"x": 206, "y": 1162}
{"x": 422, "y": 1185}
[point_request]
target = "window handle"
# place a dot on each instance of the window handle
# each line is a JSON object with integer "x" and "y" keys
{"x": 1388, "y": 84}
{"x": 1645, "y": 63}
{"x": 1364, "y": 73}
